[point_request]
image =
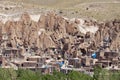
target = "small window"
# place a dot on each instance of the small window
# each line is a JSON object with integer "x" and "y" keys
{"x": 22, "y": 65}
{"x": 27, "y": 59}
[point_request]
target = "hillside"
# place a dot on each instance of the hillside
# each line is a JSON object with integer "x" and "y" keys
{"x": 98, "y": 9}
{"x": 60, "y": 35}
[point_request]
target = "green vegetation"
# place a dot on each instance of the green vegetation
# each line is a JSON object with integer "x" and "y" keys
{"x": 103, "y": 74}
{"x": 7, "y": 74}
{"x": 21, "y": 74}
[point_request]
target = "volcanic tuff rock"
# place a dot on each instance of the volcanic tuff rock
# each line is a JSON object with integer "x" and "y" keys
{"x": 109, "y": 31}
{"x": 53, "y": 30}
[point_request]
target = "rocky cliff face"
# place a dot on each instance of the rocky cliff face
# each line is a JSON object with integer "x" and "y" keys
{"x": 52, "y": 30}
{"x": 109, "y": 32}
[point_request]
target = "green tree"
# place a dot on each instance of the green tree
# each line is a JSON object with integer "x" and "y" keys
{"x": 114, "y": 75}
{"x": 59, "y": 75}
{"x": 7, "y": 74}
{"x": 48, "y": 77}
{"x": 104, "y": 75}
{"x": 27, "y": 75}
{"x": 97, "y": 72}
{"x": 75, "y": 75}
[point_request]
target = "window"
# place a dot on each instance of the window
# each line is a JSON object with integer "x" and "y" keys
{"x": 22, "y": 65}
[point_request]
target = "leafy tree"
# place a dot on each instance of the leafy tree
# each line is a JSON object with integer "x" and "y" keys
{"x": 104, "y": 75}
{"x": 21, "y": 74}
{"x": 59, "y": 75}
{"x": 114, "y": 75}
{"x": 75, "y": 75}
{"x": 7, "y": 74}
{"x": 97, "y": 72}
{"x": 48, "y": 77}
{"x": 27, "y": 75}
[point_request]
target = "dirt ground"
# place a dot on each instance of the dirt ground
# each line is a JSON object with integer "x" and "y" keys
{"x": 95, "y": 9}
